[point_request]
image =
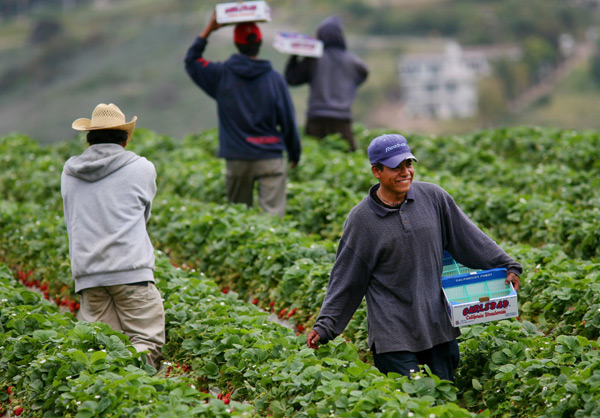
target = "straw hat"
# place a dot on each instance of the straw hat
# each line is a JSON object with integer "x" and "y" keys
{"x": 106, "y": 116}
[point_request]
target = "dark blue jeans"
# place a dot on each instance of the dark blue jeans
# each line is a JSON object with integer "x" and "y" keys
{"x": 442, "y": 359}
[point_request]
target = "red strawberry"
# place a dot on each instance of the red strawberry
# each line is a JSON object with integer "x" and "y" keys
{"x": 18, "y": 410}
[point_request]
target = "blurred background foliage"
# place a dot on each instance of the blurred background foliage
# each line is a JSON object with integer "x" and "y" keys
{"x": 59, "y": 58}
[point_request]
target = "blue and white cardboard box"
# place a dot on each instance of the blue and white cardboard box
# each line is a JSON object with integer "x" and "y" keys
{"x": 242, "y": 11}
{"x": 479, "y": 296}
{"x": 298, "y": 44}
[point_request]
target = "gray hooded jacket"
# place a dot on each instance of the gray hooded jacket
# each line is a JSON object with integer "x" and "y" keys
{"x": 334, "y": 77}
{"x": 107, "y": 196}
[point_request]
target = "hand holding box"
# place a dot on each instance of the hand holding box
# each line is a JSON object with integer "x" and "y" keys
{"x": 482, "y": 296}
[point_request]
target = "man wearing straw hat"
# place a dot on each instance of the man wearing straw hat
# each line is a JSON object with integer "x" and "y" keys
{"x": 107, "y": 196}
{"x": 257, "y": 122}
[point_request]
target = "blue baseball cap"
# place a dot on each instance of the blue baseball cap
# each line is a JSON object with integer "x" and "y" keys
{"x": 389, "y": 150}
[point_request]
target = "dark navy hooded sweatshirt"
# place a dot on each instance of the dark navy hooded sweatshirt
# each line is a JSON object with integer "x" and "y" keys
{"x": 256, "y": 114}
{"x": 334, "y": 77}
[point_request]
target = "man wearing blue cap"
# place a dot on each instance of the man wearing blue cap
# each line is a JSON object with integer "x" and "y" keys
{"x": 391, "y": 253}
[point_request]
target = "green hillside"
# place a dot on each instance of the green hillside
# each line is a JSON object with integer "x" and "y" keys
{"x": 130, "y": 54}
{"x": 56, "y": 64}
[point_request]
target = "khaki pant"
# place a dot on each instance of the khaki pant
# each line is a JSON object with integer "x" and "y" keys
{"x": 270, "y": 175}
{"x": 136, "y": 310}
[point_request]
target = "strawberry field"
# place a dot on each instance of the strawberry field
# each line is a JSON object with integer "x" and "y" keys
{"x": 222, "y": 269}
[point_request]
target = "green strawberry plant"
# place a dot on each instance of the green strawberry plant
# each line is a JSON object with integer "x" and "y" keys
{"x": 518, "y": 184}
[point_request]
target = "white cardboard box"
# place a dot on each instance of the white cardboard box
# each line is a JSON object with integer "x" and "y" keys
{"x": 243, "y": 11}
{"x": 298, "y": 44}
{"x": 477, "y": 297}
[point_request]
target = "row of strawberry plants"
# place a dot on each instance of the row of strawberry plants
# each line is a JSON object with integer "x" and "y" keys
{"x": 531, "y": 219}
{"x": 545, "y": 197}
{"x": 232, "y": 346}
{"x": 515, "y": 370}
{"x": 37, "y": 229}
{"x": 525, "y": 184}
{"x": 54, "y": 366}
{"x": 577, "y": 314}
{"x": 562, "y": 295}
{"x": 33, "y": 241}
{"x": 284, "y": 266}
{"x": 39, "y": 236}
{"x": 196, "y": 350}
{"x": 548, "y": 160}
{"x": 566, "y": 150}
{"x": 40, "y": 161}
{"x": 281, "y": 267}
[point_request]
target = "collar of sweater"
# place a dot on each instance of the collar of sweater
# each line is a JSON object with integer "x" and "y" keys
{"x": 382, "y": 210}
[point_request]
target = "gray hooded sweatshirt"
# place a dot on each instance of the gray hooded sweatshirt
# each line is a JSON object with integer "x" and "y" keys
{"x": 334, "y": 77}
{"x": 107, "y": 196}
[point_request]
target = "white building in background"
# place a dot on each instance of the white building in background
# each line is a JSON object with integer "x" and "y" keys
{"x": 442, "y": 85}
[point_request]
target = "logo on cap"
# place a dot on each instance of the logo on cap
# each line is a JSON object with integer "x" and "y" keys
{"x": 388, "y": 149}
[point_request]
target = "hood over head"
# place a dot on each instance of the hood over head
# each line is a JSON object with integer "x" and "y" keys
{"x": 246, "y": 67}
{"x": 99, "y": 161}
{"x": 331, "y": 33}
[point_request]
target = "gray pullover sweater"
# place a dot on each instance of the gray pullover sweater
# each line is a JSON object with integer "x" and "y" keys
{"x": 107, "y": 196}
{"x": 394, "y": 258}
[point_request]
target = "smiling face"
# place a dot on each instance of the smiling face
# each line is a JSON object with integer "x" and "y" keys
{"x": 395, "y": 182}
